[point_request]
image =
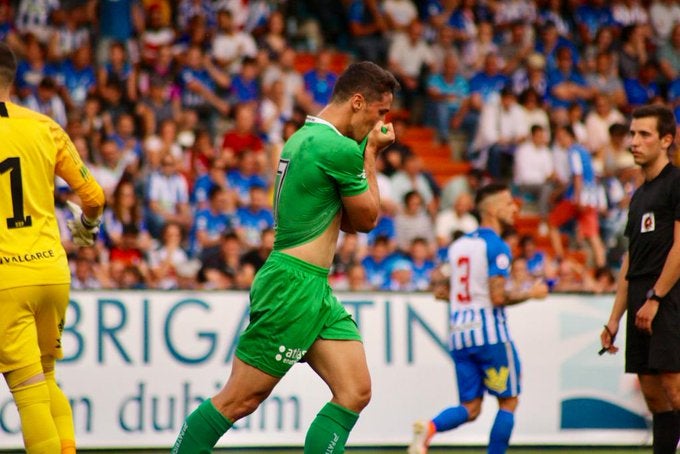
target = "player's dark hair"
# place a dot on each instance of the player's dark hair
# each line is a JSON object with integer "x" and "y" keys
{"x": 665, "y": 120}
{"x": 8, "y": 65}
{"x": 489, "y": 190}
{"x": 366, "y": 78}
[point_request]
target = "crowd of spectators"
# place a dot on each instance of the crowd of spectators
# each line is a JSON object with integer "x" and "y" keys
{"x": 180, "y": 110}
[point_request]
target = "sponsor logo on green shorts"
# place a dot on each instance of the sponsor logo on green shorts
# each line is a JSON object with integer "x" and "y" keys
{"x": 289, "y": 355}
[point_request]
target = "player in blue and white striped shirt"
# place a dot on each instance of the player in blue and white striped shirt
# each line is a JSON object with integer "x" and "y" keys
{"x": 481, "y": 346}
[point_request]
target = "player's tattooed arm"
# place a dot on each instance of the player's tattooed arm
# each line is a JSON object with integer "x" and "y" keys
{"x": 503, "y": 296}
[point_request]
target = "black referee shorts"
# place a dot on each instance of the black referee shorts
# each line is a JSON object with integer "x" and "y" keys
{"x": 659, "y": 352}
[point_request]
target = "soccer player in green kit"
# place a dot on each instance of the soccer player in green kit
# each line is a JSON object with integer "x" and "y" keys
{"x": 326, "y": 180}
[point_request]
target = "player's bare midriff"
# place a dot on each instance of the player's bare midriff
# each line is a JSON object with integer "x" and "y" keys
{"x": 320, "y": 250}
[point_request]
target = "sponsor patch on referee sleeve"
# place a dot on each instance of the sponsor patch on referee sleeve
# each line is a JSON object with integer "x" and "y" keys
{"x": 648, "y": 224}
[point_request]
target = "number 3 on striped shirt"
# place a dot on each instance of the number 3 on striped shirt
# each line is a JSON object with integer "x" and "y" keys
{"x": 463, "y": 275}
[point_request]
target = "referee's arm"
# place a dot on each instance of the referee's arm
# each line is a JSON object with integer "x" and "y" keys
{"x": 618, "y": 309}
{"x": 668, "y": 278}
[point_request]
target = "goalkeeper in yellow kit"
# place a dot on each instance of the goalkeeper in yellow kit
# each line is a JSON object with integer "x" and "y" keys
{"x": 34, "y": 272}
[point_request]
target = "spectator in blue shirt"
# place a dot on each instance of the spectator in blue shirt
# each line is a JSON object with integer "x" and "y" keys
{"x": 197, "y": 84}
{"x": 591, "y": 16}
{"x": 487, "y": 82}
{"x": 245, "y": 176}
{"x": 421, "y": 264}
{"x": 565, "y": 84}
{"x": 643, "y": 89}
{"x": 32, "y": 68}
{"x": 78, "y": 77}
{"x": 378, "y": 263}
{"x": 319, "y": 82}
{"x": 244, "y": 85}
{"x": 254, "y": 218}
{"x": 210, "y": 223}
{"x": 448, "y": 92}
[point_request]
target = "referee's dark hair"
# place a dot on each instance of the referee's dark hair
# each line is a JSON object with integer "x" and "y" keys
{"x": 665, "y": 120}
{"x": 8, "y": 65}
{"x": 489, "y": 190}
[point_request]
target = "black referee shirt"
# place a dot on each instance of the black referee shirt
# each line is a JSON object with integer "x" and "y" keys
{"x": 654, "y": 208}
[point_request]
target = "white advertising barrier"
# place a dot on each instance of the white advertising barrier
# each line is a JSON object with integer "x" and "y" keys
{"x": 136, "y": 363}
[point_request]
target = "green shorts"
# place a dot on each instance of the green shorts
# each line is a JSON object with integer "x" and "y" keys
{"x": 291, "y": 306}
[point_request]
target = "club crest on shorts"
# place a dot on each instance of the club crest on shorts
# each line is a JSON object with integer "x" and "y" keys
{"x": 647, "y": 224}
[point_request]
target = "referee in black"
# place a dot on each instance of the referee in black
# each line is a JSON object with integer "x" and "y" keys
{"x": 648, "y": 284}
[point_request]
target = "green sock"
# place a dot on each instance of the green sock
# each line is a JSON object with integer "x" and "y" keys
{"x": 330, "y": 429}
{"x": 201, "y": 430}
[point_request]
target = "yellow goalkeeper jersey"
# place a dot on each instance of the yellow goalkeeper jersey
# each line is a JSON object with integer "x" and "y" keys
{"x": 33, "y": 149}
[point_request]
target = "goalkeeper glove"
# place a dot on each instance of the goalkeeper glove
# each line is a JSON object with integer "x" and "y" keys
{"x": 84, "y": 231}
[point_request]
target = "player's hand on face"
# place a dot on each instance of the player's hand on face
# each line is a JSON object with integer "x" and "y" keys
{"x": 381, "y": 135}
{"x": 645, "y": 316}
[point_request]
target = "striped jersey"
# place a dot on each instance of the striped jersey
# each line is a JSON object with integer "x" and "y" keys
{"x": 474, "y": 258}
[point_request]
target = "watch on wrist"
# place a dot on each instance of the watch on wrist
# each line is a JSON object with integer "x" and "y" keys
{"x": 651, "y": 295}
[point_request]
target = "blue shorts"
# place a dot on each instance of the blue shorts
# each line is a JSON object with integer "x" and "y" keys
{"x": 494, "y": 368}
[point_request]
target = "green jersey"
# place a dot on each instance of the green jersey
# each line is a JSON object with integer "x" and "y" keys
{"x": 318, "y": 165}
